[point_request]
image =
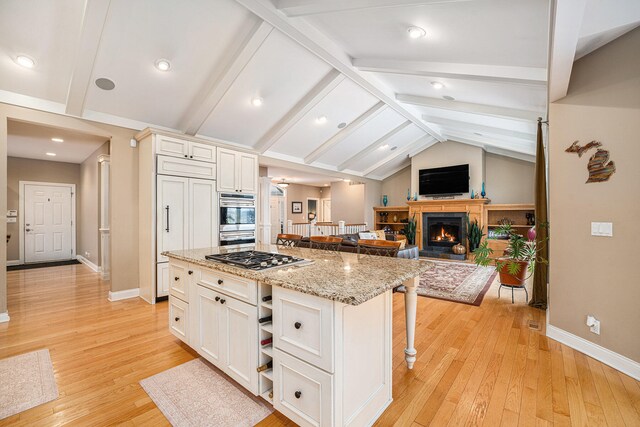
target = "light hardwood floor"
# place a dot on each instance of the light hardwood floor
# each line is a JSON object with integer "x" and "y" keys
{"x": 476, "y": 365}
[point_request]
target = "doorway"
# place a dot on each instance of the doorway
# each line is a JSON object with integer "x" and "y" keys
{"x": 48, "y": 222}
{"x": 277, "y": 211}
{"x": 325, "y": 210}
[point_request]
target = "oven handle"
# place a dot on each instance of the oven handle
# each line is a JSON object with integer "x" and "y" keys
{"x": 235, "y": 204}
{"x": 237, "y": 236}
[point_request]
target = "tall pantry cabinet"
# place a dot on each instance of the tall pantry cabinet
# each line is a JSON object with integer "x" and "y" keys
{"x": 178, "y": 204}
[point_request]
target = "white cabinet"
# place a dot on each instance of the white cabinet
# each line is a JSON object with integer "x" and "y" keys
{"x": 179, "y": 319}
{"x": 175, "y": 147}
{"x": 187, "y": 214}
{"x": 187, "y": 168}
{"x": 162, "y": 277}
{"x": 227, "y": 335}
{"x": 237, "y": 171}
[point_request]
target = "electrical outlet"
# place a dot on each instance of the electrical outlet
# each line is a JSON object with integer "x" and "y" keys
{"x": 593, "y": 324}
{"x": 87, "y": 255}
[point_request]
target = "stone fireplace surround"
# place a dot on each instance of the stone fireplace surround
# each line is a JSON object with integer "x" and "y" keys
{"x": 473, "y": 207}
{"x": 453, "y": 224}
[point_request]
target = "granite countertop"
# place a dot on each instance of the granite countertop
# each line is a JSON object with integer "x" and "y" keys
{"x": 348, "y": 278}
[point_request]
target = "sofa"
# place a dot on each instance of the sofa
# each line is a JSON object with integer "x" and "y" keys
{"x": 350, "y": 244}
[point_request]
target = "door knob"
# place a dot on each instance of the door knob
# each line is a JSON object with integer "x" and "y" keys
{"x": 28, "y": 229}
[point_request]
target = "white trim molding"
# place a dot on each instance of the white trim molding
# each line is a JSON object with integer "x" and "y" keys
{"x": 604, "y": 355}
{"x": 88, "y": 263}
{"x": 126, "y": 294}
{"x": 14, "y": 262}
{"x": 4, "y": 317}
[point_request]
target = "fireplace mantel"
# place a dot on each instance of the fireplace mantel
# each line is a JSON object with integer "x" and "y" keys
{"x": 474, "y": 207}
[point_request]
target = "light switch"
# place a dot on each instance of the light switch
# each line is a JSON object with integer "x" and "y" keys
{"x": 604, "y": 229}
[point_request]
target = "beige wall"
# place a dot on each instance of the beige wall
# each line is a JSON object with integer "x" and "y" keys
{"x": 124, "y": 191}
{"x": 88, "y": 237}
{"x": 396, "y": 186}
{"x": 300, "y": 193}
{"x": 19, "y": 169}
{"x": 509, "y": 180}
{"x": 596, "y": 275}
{"x": 450, "y": 153}
{"x": 347, "y": 202}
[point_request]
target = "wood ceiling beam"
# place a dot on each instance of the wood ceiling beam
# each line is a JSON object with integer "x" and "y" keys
{"x": 293, "y": 8}
{"x": 93, "y": 21}
{"x": 306, "y": 104}
{"x": 311, "y": 39}
{"x": 420, "y": 144}
{"x": 566, "y": 21}
{"x": 223, "y": 77}
{"x": 346, "y": 131}
{"x": 496, "y": 150}
{"x": 373, "y": 146}
{"x": 468, "y": 107}
{"x": 528, "y": 149}
{"x": 472, "y": 72}
{"x": 473, "y": 127}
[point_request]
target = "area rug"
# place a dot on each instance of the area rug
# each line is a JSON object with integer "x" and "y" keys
{"x": 194, "y": 394}
{"x": 26, "y": 381}
{"x": 456, "y": 281}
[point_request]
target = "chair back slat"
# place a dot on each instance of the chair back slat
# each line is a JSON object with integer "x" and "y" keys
{"x": 290, "y": 240}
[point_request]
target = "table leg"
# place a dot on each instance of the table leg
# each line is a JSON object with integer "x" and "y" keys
{"x": 410, "y": 307}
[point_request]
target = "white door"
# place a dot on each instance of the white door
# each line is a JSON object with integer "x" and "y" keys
{"x": 247, "y": 173}
{"x": 240, "y": 332}
{"x": 203, "y": 214}
{"x": 326, "y": 210}
{"x": 48, "y": 231}
{"x": 172, "y": 221}
{"x": 227, "y": 170}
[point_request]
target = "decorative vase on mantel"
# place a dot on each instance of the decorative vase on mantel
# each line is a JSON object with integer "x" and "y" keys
{"x": 483, "y": 193}
{"x": 385, "y": 200}
{"x": 408, "y": 194}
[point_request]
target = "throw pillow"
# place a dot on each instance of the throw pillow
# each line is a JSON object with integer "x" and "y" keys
{"x": 367, "y": 235}
{"x": 380, "y": 235}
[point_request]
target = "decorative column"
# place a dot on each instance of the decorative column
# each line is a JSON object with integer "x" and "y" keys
{"x": 105, "y": 238}
{"x": 264, "y": 211}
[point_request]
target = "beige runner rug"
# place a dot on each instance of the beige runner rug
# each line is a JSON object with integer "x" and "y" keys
{"x": 26, "y": 381}
{"x": 194, "y": 394}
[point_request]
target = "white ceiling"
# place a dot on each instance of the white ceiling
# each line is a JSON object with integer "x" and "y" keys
{"x": 33, "y": 141}
{"x": 291, "y": 176}
{"x": 351, "y": 62}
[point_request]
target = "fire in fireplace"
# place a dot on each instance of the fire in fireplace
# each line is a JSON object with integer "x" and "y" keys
{"x": 445, "y": 233}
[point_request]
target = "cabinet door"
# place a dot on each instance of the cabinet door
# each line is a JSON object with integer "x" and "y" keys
{"x": 208, "y": 328}
{"x": 241, "y": 342}
{"x": 248, "y": 173}
{"x": 171, "y": 146}
{"x": 171, "y": 214}
{"x": 162, "y": 279}
{"x": 203, "y": 214}
{"x": 202, "y": 152}
{"x": 227, "y": 170}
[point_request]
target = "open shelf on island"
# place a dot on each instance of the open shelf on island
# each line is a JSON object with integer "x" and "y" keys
{"x": 267, "y": 374}
{"x": 266, "y": 397}
{"x": 267, "y": 327}
{"x": 267, "y": 349}
{"x": 267, "y": 305}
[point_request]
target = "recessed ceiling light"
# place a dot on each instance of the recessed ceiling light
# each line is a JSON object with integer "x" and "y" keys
{"x": 394, "y": 147}
{"x": 50, "y": 154}
{"x": 57, "y": 139}
{"x": 163, "y": 64}
{"x": 257, "y": 101}
{"x": 449, "y": 98}
{"x": 477, "y": 133}
{"x": 416, "y": 32}
{"x": 105, "y": 84}
{"x": 342, "y": 125}
{"x": 384, "y": 147}
{"x": 321, "y": 120}
{"x": 437, "y": 85}
{"x": 25, "y": 61}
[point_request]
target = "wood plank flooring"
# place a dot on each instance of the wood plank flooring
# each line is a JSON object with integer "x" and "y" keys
{"x": 476, "y": 365}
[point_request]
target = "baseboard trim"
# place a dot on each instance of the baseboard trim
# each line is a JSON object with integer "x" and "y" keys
{"x": 14, "y": 262}
{"x": 4, "y": 317}
{"x": 126, "y": 294}
{"x": 87, "y": 263}
{"x": 604, "y": 355}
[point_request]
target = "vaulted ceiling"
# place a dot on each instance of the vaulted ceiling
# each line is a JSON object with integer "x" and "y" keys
{"x": 341, "y": 84}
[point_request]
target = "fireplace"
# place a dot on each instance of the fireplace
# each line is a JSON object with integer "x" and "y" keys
{"x": 441, "y": 231}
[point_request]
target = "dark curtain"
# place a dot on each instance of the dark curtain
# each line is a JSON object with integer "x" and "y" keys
{"x": 541, "y": 271}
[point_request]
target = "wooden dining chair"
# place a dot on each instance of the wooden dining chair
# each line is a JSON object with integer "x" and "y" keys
{"x": 378, "y": 247}
{"x": 328, "y": 243}
{"x": 290, "y": 240}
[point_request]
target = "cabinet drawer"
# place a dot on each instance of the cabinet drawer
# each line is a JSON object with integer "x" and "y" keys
{"x": 302, "y": 392}
{"x": 179, "y": 280}
{"x": 202, "y": 152}
{"x": 179, "y": 318}
{"x": 186, "y": 167}
{"x": 303, "y": 326}
{"x": 233, "y": 286}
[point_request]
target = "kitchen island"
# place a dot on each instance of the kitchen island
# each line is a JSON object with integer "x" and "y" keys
{"x": 314, "y": 339}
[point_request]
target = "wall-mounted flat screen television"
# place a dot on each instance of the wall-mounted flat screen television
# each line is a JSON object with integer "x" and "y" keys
{"x": 444, "y": 181}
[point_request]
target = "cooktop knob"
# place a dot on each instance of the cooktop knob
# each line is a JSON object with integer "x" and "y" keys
{"x": 263, "y": 264}
{"x": 274, "y": 261}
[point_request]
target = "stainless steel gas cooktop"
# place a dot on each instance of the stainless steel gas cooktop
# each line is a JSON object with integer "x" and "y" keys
{"x": 256, "y": 260}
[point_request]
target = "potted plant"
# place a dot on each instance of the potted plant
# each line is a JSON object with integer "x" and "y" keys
{"x": 410, "y": 230}
{"x": 519, "y": 259}
{"x": 474, "y": 234}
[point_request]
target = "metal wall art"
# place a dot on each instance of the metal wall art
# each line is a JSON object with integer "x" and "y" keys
{"x": 600, "y": 167}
